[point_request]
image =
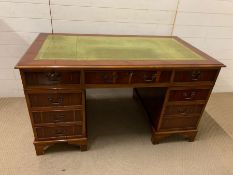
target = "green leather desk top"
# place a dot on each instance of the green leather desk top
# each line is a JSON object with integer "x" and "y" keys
{"x": 84, "y": 48}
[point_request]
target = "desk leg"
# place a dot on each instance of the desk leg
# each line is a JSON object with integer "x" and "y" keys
{"x": 40, "y": 147}
{"x": 158, "y": 136}
{"x": 83, "y": 148}
{"x": 82, "y": 143}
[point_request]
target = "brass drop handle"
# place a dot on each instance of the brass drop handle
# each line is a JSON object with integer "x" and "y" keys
{"x": 189, "y": 96}
{"x": 57, "y": 101}
{"x": 59, "y": 118}
{"x": 150, "y": 78}
{"x": 131, "y": 74}
{"x": 53, "y": 76}
{"x": 182, "y": 111}
{"x": 196, "y": 75}
{"x": 60, "y": 132}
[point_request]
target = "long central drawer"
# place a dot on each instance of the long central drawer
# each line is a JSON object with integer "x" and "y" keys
{"x": 127, "y": 76}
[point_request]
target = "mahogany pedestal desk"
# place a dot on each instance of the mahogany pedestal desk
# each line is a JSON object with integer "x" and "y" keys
{"x": 170, "y": 78}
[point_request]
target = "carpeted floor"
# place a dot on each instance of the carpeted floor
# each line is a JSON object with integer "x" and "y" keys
{"x": 220, "y": 107}
{"x": 119, "y": 138}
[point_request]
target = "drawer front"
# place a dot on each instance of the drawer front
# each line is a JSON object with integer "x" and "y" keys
{"x": 99, "y": 77}
{"x": 126, "y": 77}
{"x": 188, "y": 95}
{"x": 122, "y": 77}
{"x": 52, "y": 78}
{"x": 171, "y": 123}
{"x": 57, "y": 116}
{"x": 151, "y": 76}
{"x": 107, "y": 77}
{"x": 195, "y": 75}
{"x": 183, "y": 110}
{"x": 55, "y": 99}
{"x": 56, "y": 132}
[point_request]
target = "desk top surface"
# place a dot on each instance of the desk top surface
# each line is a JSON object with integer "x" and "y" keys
{"x": 61, "y": 47}
{"x": 96, "y": 51}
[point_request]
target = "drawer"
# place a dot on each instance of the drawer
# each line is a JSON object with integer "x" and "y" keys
{"x": 100, "y": 77}
{"x": 107, "y": 77}
{"x": 56, "y": 132}
{"x": 188, "y": 95}
{"x": 54, "y": 98}
{"x": 172, "y": 123}
{"x": 150, "y": 76}
{"x": 171, "y": 110}
{"x": 126, "y": 77}
{"x": 46, "y": 78}
{"x": 195, "y": 75}
{"x": 57, "y": 116}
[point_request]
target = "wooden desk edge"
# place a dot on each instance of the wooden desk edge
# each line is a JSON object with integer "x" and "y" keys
{"x": 27, "y": 61}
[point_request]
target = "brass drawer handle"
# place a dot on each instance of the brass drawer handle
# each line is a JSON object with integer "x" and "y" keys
{"x": 182, "y": 111}
{"x": 131, "y": 74}
{"x": 189, "y": 96}
{"x": 196, "y": 75}
{"x": 60, "y": 132}
{"x": 57, "y": 101}
{"x": 54, "y": 76}
{"x": 150, "y": 78}
{"x": 59, "y": 118}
